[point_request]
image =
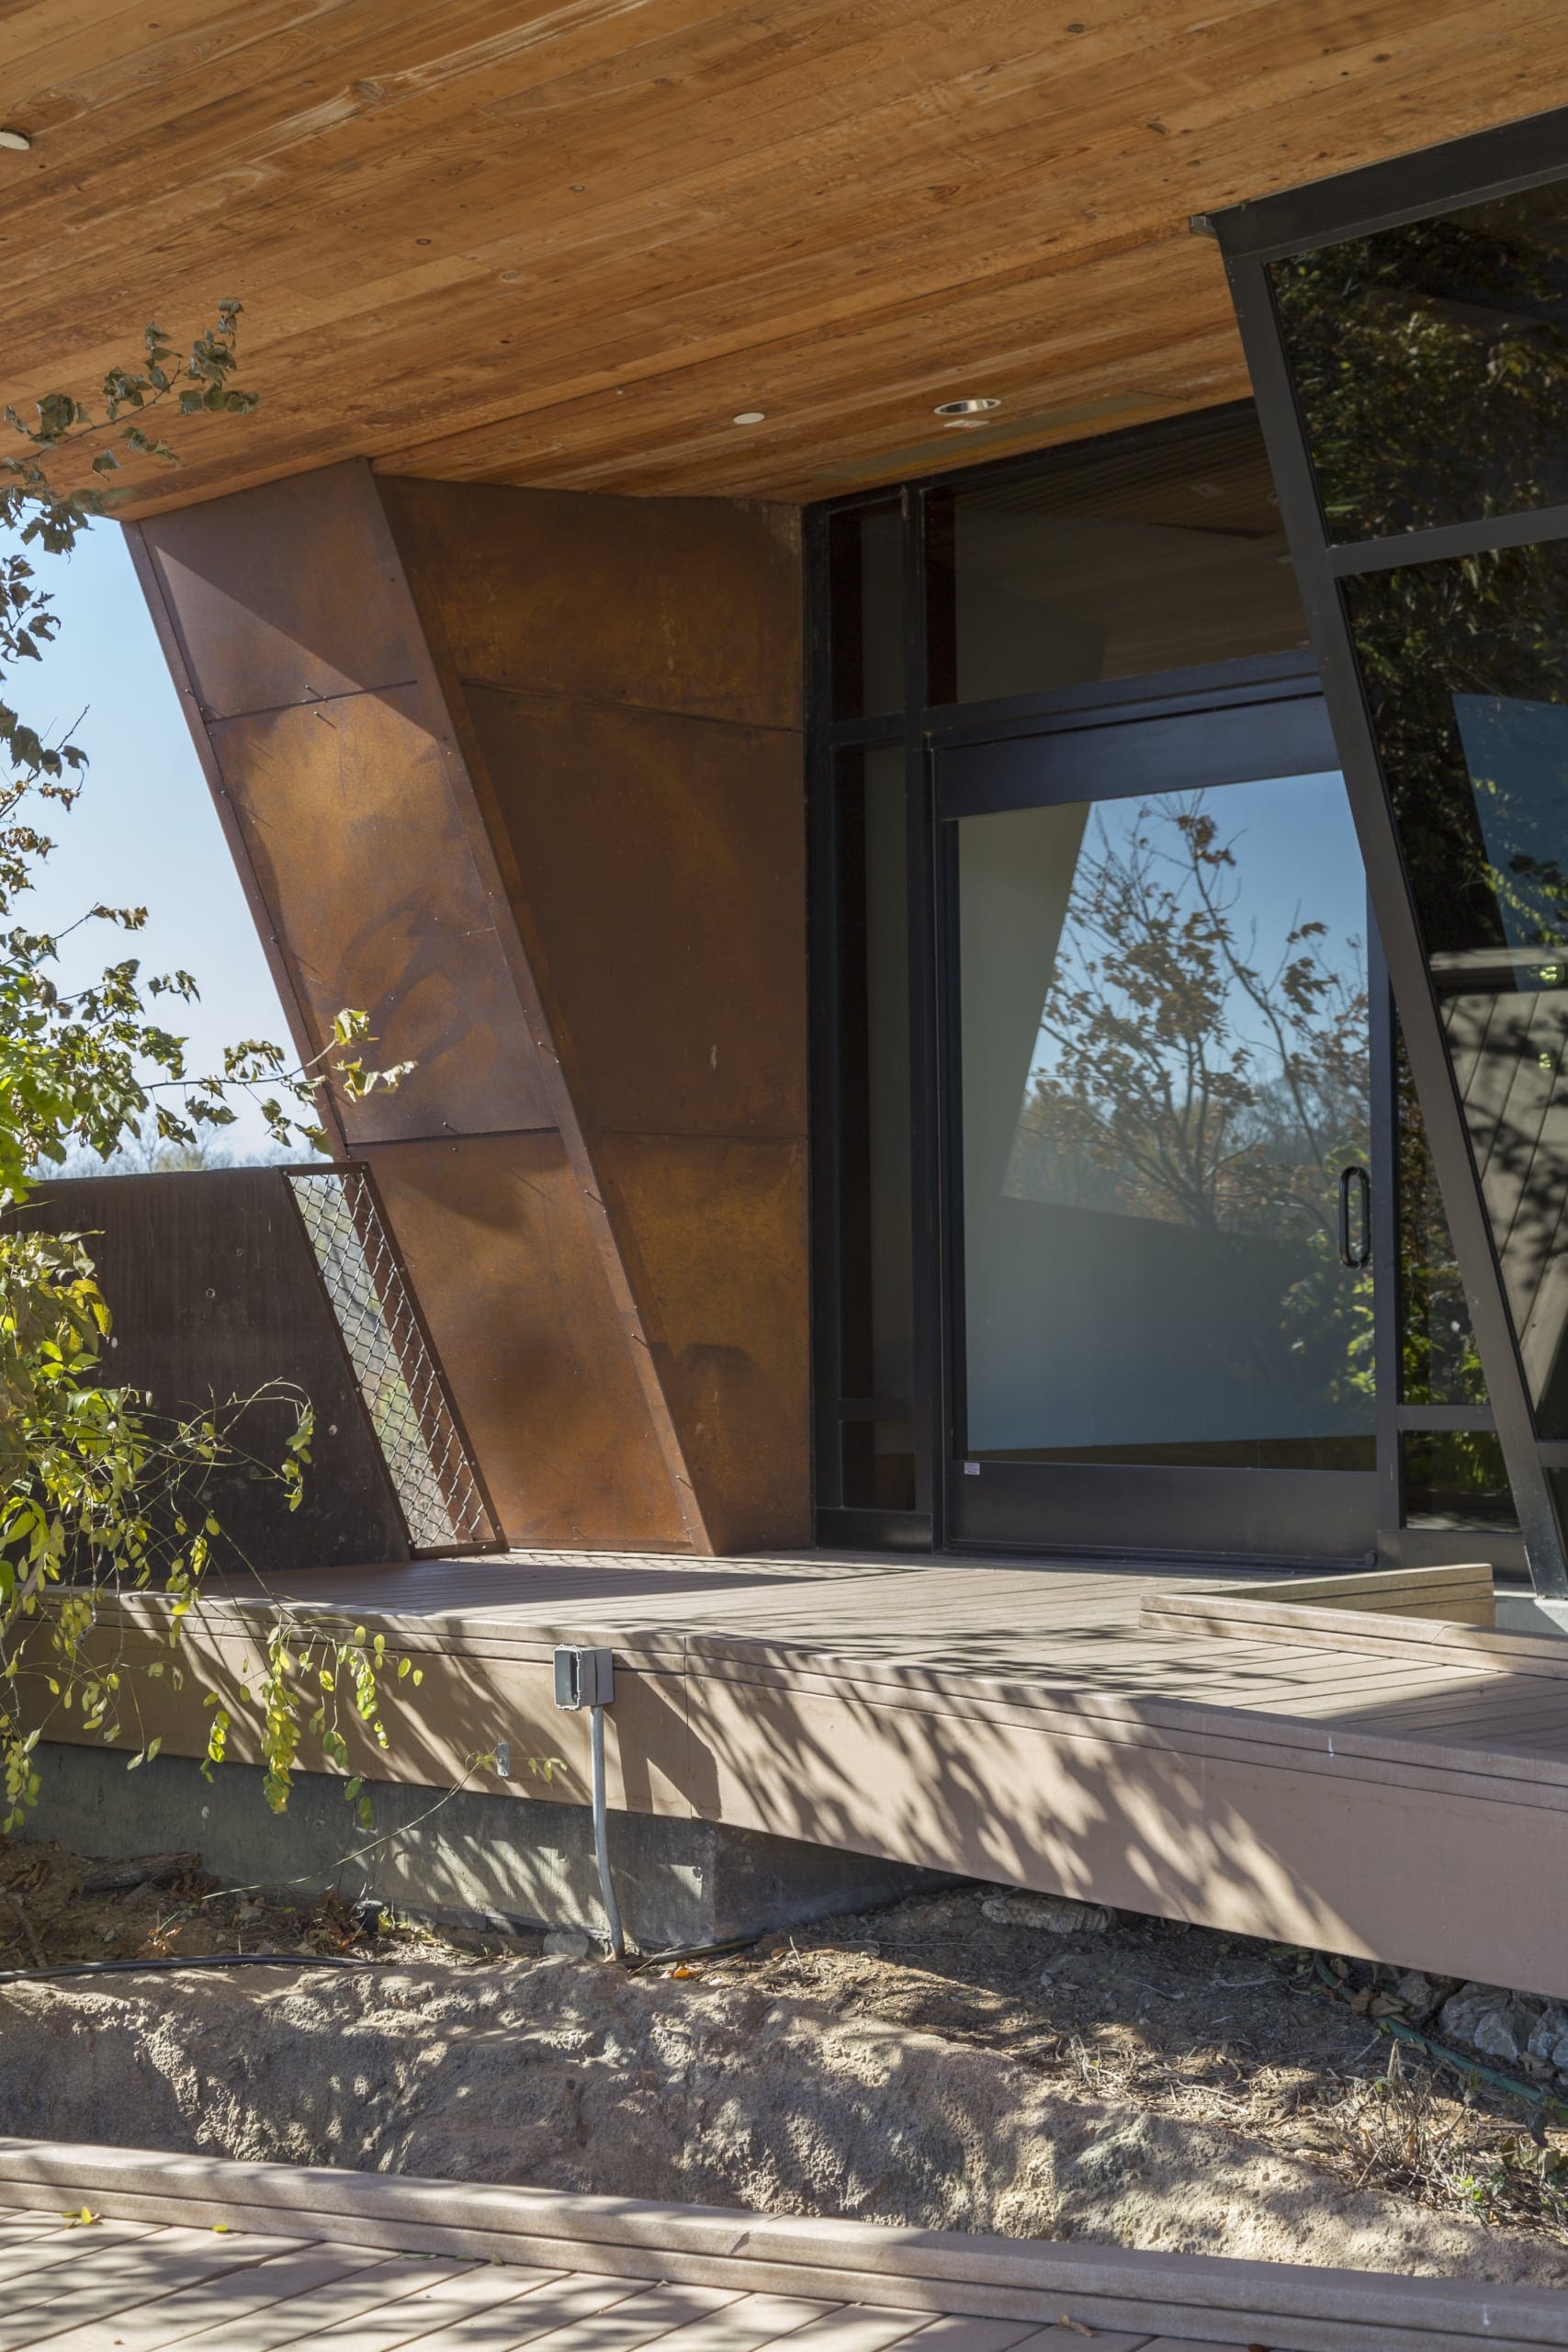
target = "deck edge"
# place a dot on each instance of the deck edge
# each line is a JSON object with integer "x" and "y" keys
{"x": 1299, "y": 2308}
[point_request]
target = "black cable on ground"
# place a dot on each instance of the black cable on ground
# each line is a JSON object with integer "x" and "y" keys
{"x": 192, "y": 1960}
{"x": 1468, "y": 2069}
{"x": 324, "y": 1959}
{"x": 690, "y": 1951}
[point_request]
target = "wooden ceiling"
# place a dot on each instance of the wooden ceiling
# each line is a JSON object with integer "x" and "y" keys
{"x": 567, "y": 244}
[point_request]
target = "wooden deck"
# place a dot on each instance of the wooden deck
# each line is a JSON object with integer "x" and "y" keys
{"x": 216, "y": 2256}
{"x": 1401, "y": 1798}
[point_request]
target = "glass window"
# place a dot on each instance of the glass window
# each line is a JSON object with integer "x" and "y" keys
{"x": 1430, "y": 364}
{"x": 1109, "y": 563}
{"x": 875, "y": 1238}
{"x": 1466, "y": 670}
{"x": 1456, "y": 1479}
{"x": 1438, "y": 1360}
{"x": 1165, "y": 1073}
{"x": 866, "y": 563}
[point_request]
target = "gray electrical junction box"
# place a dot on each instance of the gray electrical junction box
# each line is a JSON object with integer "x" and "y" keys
{"x": 585, "y": 1677}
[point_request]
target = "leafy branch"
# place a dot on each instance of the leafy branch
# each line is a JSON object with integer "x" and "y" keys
{"x": 101, "y": 1496}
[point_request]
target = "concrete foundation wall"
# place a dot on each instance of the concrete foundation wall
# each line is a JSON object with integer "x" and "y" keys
{"x": 465, "y": 1857}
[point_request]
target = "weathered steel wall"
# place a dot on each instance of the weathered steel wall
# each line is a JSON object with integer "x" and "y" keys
{"x": 521, "y": 773}
{"x": 216, "y": 1295}
{"x": 630, "y": 671}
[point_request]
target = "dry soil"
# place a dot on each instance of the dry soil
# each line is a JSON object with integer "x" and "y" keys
{"x": 938, "y": 2063}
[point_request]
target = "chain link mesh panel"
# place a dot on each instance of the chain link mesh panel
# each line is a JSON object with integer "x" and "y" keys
{"x": 404, "y": 1395}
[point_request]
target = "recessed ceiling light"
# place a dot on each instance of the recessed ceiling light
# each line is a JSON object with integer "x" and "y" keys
{"x": 965, "y": 408}
{"x": 17, "y": 139}
{"x": 751, "y": 417}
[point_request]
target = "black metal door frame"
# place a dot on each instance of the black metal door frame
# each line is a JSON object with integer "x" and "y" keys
{"x": 1266, "y": 719}
{"x": 1251, "y": 236}
{"x": 836, "y": 1518}
{"x": 920, "y": 731}
{"x": 916, "y": 729}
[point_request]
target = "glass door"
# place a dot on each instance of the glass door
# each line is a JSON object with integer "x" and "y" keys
{"x": 1161, "y": 1171}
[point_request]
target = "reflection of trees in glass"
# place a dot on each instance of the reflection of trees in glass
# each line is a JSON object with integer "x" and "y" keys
{"x": 1184, "y": 1078}
{"x": 1435, "y": 639}
{"x": 1516, "y": 750}
{"x": 1431, "y": 364}
{"x": 1456, "y": 1479}
{"x": 1438, "y": 643}
{"x": 1438, "y": 1360}
{"x": 1453, "y": 1478}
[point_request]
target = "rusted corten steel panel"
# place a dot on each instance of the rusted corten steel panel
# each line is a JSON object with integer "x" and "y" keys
{"x": 662, "y": 861}
{"x": 715, "y": 1227}
{"x": 217, "y": 1297}
{"x": 666, "y": 603}
{"x": 349, "y": 815}
{"x": 335, "y": 762}
{"x": 289, "y": 593}
{"x": 632, "y": 688}
{"x": 520, "y": 1315}
{"x": 354, "y": 819}
{"x": 590, "y": 943}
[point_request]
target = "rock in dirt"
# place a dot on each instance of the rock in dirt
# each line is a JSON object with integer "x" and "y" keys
{"x": 1548, "y": 2044}
{"x": 1053, "y": 1915}
{"x": 737, "y": 2094}
{"x": 1420, "y": 1993}
{"x": 566, "y": 1943}
{"x": 1498, "y": 2025}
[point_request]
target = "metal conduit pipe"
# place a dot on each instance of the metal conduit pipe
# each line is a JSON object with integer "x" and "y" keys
{"x": 602, "y": 1835}
{"x": 586, "y": 1679}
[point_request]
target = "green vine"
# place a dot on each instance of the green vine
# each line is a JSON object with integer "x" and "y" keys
{"x": 102, "y": 1496}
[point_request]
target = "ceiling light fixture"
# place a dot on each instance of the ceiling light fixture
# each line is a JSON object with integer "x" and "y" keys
{"x": 965, "y": 408}
{"x": 17, "y": 139}
{"x": 751, "y": 417}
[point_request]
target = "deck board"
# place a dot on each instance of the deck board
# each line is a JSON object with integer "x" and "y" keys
{"x": 104, "y": 2280}
{"x": 640, "y": 2276}
{"x": 1001, "y": 1719}
{"x": 223, "y": 2303}
{"x": 487, "y": 2305}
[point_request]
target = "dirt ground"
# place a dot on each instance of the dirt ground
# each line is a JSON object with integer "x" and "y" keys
{"x": 55, "y": 1909}
{"x": 1178, "y": 2087}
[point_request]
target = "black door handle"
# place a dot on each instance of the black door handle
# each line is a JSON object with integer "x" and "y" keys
{"x": 1359, "y": 1253}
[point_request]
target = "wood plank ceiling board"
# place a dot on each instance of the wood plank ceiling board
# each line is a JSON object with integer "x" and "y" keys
{"x": 501, "y": 241}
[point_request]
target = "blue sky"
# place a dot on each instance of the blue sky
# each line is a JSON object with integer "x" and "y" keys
{"x": 144, "y": 833}
{"x": 1296, "y": 858}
